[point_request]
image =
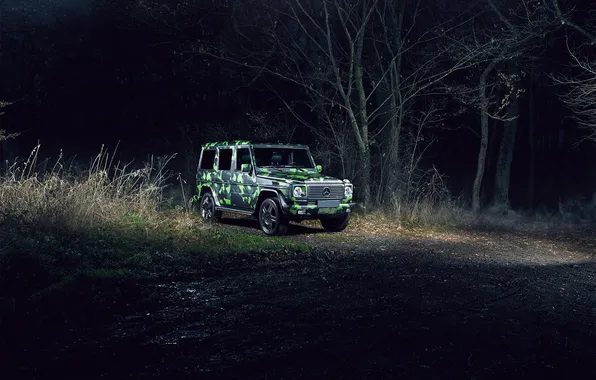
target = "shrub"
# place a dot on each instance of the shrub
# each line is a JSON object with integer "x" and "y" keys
{"x": 427, "y": 202}
{"x": 105, "y": 192}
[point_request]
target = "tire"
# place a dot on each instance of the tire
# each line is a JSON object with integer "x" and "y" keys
{"x": 335, "y": 224}
{"x": 271, "y": 220}
{"x": 207, "y": 209}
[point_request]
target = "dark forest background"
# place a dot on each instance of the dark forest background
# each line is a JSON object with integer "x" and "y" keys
{"x": 485, "y": 102}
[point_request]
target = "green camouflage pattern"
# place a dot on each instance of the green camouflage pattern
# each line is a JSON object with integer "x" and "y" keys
{"x": 237, "y": 190}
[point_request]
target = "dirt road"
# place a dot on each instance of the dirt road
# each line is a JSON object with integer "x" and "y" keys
{"x": 471, "y": 304}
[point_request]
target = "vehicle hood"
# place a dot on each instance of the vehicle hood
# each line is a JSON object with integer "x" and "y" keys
{"x": 291, "y": 175}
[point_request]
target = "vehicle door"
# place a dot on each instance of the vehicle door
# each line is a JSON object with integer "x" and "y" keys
{"x": 205, "y": 168}
{"x": 243, "y": 183}
{"x": 223, "y": 175}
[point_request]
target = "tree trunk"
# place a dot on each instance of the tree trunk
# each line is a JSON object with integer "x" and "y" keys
{"x": 481, "y": 161}
{"x": 364, "y": 120}
{"x": 494, "y": 141}
{"x": 365, "y": 167}
{"x": 383, "y": 93}
{"x": 532, "y": 125}
{"x": 360, "y": 124}
{"x": 395, "y": 125}
{"x": 361, "y": 132}
{"x": 503, "y": 172}
{"x": 396, "y": 103}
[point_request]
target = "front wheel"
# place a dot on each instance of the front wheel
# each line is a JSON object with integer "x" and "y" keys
{"x": 335, "y": 224}
{"x": 271, "y": 220}
{"x": 208, "y": 212}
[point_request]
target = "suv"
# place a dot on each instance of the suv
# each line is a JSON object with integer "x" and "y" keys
{"x": 275, "y": 183}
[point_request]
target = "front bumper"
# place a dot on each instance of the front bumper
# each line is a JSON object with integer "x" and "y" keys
{"x": 305, "y": 211}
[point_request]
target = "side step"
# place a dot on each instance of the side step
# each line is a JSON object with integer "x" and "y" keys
{"x": 233, "y": 210}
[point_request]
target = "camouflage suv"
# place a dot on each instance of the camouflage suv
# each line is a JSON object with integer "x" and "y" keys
{"x": 275, "y": 183}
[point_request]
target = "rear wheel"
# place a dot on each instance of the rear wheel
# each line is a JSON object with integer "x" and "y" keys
{"x": 336, "y": 223}
{"x": 271, "y": 219}
{"x": 207, "y": 208}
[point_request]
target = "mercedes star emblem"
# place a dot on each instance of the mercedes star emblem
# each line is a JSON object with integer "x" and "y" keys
{"x": 326, "y": 192}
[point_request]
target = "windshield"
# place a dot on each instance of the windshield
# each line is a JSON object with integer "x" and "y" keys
{"x": 283, "y": 157}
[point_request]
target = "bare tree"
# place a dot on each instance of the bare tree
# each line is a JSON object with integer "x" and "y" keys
{"x": 334, "y": 145}
{"x": 495, "y": 96}
{"x": 411, "y": 62}
{"x": 565, "y": 19}
{"x": 581, "y": 87}
{"x": 362, "y": 67}
{"x": 429, "y": 118}
{"x": 580, "y": 96}
{"x": 268, "y": 126}
{"x": 348, "y": 56}
{"x": 318, "y": 46}
{"x": 344, "y": 63}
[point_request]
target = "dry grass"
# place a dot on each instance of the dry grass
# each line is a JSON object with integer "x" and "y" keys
{"x": 426, "y": 211}
{"x": 108, "y": 200}
{"x": 105, "y": 192}
{"x": 63, "y": 223}
{"x": 427, "y": 217}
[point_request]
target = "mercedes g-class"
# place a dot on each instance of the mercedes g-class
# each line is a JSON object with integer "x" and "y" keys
{"x": 275, "y": 183}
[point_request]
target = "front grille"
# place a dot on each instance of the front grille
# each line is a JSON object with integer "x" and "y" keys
{"x": 315, "y": 192}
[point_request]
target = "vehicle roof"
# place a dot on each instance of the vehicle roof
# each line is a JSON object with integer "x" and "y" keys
{"x": 216, "y": 144}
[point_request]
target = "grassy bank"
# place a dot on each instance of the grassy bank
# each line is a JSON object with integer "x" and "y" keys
{"x": 66, "y": 232}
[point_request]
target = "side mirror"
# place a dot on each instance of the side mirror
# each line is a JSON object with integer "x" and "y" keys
{"x": 245, "y": 168}
{"x": 319, "y": 168}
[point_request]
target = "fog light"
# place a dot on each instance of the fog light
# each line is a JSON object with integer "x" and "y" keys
{"x": 301, "y": 212}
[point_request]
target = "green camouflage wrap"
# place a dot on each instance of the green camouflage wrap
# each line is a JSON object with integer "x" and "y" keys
{"x": 237, "y": 190}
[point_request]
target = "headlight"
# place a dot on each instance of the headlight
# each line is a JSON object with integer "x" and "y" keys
{"x": 348, "y": 191}
{"x": 298, "y": 192}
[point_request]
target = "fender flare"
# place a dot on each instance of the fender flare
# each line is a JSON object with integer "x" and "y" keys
{"x": 199, "y": 195}
{"x": 280, "y": 198}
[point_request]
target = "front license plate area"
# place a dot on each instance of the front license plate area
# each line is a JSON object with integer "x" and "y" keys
{"x": 328, "y": 203}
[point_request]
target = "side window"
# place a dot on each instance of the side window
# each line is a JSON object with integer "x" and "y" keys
{"x": 208, "y": 159}
{"x": 242, "y": 157}
{"x": 225, "y": 159}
